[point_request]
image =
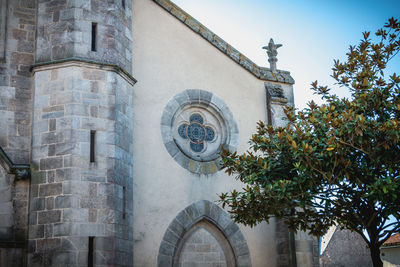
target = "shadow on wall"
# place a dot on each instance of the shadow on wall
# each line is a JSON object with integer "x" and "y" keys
{"x": 14, "y": 194}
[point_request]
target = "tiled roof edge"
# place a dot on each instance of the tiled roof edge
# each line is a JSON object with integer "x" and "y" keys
{"x": 260, "y": 72}
{"x": 394, "y": 244}
{"x": 394, "y": 240}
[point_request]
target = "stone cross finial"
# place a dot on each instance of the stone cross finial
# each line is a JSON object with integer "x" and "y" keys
{"x": 272, "y": 53}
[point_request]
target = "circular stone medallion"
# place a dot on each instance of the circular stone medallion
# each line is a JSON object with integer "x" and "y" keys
{"x": 194, "y": 125}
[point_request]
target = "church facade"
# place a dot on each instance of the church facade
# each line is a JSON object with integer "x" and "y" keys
{"x": 112, "y": 115}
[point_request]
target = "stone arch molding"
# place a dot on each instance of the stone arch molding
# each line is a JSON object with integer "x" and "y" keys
{"x": 194, "y": 125}
{"x": 189, "y": 217}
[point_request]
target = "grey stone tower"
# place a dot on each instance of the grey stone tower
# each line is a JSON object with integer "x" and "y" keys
{"x": 80, "y": 210}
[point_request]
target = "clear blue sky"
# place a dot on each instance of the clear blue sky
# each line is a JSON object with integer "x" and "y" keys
{"x": 313, "y": 32}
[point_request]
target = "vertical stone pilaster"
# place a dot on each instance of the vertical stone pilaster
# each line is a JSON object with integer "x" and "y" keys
{"x": 304, "y": 244}
{"x": 298, "y": 249}
{"x": 277, "y": 97}
{"x": 285, "y": 246}
{"x": 17, "y": 47}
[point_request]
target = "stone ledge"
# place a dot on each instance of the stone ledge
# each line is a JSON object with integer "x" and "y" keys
{"x": 81, "y": 62}
{"x": 21, "y": 171}
{"x": 260, "y": 72}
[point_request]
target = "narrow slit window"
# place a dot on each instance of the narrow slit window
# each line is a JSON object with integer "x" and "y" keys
{"x": 92, "y": 146}
{"x": 123, "y": 4}
{"x": 94, "y": 35}
{"x": 124, "y": 202}
{"x": 90, "y": 251}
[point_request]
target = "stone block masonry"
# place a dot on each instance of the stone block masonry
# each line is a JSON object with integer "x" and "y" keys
{"x": 81, "y": 187}
{"x": 65, "y": 31}
{"x": 13, "y": 218}
{"x": 188, "y": 219}
{"x": 17, "y": 47}
{"x": 73, "y": 198}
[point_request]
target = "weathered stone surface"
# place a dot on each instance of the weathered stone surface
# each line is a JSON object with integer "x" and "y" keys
{"x": 344, "y": 248}
{"x": 37, "y": 204}
{"x": 167, "y": 248}
{"x": 14, "y": 217}
{"x": 50, "y": 189}
{"x": 48, "y": 244}
{"x": 51, "y": 216}
{"x": 64, "y": 258}
{"x": 65, "y": 229}
{"x": 16, "y": 55}
{"x": 202, "y": 248}
{"x": 36, "y": 231}
{"x": 92, "y": 202}
{"x": 184, "y": 220}
{"x": 66, "y": 32}
{"x": 163, "y": 260}
{"x": 92, "y": 229}
{"x": 206, "y": 161}
{"x": 187, "y": 219}
{"x": 51, "y": 163}
{"x": 74, "y": 186}
{"x": 66, "y": 201}
{"x": 75, "y": 215}
{"x": 231, "y": 229}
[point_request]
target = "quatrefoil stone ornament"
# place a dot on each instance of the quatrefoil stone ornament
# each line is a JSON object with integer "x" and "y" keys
{"x": 195, "y": 125}
{"x": 196, "y": 132}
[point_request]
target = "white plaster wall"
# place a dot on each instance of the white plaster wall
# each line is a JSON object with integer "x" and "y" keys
{"x": 168, "y": 58}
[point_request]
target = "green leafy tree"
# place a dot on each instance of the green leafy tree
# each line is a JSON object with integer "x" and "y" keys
{"x": 337, "y": 163}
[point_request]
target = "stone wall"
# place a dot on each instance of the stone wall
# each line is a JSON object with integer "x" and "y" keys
{"x": 345, "y": 249}
{"x": 14, "y": 195}
{"x": 182, "y": 240}
{"x": 65, "y": 31}
{"x": 203, "y": 249}
{"x": 17, "y": 48}
{"x": 73, "y": 198}
{"x": 82, "y": 108}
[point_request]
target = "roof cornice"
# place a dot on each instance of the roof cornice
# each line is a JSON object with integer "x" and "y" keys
{"x": 260, "y": 72}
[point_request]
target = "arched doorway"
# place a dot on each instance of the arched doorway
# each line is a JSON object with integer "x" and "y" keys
{"x": 203, "y": 235}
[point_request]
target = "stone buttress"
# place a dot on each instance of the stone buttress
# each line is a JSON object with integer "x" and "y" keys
{"x": 293, "y": 249}
{"x": 17, "y": 49}
{"x": 81, "y": 210}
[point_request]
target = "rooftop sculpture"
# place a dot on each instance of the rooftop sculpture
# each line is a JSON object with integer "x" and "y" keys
{"x": 272, "y": 53}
